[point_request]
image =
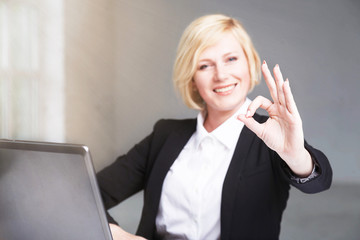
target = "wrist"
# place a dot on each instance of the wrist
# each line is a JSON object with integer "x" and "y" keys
{"x": 301, "y": 164}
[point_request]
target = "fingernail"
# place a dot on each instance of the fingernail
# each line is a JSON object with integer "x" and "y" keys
{"x": 264, "y": 62}
{"x": 248, "y": 113}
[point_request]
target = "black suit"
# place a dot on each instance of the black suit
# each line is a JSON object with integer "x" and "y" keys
{"x": 255, "y": 190}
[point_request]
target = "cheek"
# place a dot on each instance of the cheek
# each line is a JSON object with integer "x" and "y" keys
{"x": 200, "y": 88}
{"x": 200, "y": 81}
{"x": 246, "y": 77}
{"x": 245, "y": 84}
{"x": 243, "y": 75}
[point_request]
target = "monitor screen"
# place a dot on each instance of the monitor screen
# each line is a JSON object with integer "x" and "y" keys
{"x": 49, "y": 191}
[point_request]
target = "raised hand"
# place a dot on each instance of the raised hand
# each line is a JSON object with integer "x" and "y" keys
{"x": 282, "y": 132}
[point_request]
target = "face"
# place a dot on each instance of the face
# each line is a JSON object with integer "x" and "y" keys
{"x": 222, "y": 77}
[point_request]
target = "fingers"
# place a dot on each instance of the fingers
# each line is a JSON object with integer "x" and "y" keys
{"x": 289, "y": 98}
{"x": 269, "y": 81}
{"x": 258, "y": 102}
{"x": 251, "y": 123}
{"x": 279, "y": 90}
{"x": 279, "y": 84}
{"x": 275, "y": 86}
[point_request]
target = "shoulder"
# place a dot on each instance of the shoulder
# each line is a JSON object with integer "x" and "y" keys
{"x": 165, "y": 129}
{"x": 170, "y": 125}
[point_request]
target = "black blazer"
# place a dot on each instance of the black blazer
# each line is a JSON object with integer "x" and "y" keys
{"x": 255, "y": 190}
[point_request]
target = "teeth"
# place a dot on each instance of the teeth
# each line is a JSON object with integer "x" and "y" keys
{"x": 225, "y": 89}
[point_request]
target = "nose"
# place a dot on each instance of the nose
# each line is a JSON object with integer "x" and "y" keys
{"x": 221, "y": 73}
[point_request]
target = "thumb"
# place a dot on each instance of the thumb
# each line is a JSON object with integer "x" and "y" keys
{"x": 252, "y": 124}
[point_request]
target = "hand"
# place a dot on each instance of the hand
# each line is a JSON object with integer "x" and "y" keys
{"x": 119, "y": 234}
{"x": 282, "y": 132}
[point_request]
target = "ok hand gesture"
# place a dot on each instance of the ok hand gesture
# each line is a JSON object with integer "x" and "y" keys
{"x": 282, "y": 132}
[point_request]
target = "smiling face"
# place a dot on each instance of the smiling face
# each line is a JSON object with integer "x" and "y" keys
{"x": 222, "y": 77}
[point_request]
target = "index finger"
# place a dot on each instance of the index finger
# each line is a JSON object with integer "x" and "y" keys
{"x": 270, "y": 82}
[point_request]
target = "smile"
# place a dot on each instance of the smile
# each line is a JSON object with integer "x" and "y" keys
{"x": 225, "y": 89}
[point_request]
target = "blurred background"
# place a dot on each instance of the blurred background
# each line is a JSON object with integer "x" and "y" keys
{"x": 99, "y": 73}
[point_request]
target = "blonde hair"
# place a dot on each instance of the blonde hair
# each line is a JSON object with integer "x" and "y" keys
{"x": 200, "y": 34}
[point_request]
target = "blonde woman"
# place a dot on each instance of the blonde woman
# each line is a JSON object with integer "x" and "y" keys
{"x": 227, "y": 173}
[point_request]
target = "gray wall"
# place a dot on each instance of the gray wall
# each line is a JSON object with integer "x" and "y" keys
{"x": 315, "y": 42}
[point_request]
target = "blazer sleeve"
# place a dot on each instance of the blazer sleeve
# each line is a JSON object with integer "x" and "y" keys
{"x": 319, "y": 183}
{"x": 125, "y": 176}
{"x": 130, "y": 172}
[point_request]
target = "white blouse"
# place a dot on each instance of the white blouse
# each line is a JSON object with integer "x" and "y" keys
{"x": 191, "y": 195}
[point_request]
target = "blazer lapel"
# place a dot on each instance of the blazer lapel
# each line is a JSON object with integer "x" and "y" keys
{"x": 172, "y": 147}
{"x": 232, "y": 178}
{"x": 169, "y": 152}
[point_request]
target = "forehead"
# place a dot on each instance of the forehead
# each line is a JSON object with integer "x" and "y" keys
{"x": 226, "y": 43}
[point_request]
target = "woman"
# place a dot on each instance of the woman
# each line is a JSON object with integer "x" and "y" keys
{"x": 226, "y": 174}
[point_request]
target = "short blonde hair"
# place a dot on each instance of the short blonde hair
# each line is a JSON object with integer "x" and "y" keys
{"x": 200, "y": 34}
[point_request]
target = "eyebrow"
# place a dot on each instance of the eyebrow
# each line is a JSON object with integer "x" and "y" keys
{"x": 224, "y": 55}
{"x": 230, "y": 53}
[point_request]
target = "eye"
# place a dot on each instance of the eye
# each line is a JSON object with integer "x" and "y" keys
{"x": 232, "y": 59}
{"x": 203, "y": 67}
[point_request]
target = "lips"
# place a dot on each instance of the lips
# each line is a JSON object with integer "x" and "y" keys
{"x": 225, "y": 89}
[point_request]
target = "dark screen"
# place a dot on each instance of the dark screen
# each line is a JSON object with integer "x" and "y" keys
{"x": 48, "y": 195}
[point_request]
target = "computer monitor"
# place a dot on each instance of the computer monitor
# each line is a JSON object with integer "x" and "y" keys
{"x": 49, "y": 191}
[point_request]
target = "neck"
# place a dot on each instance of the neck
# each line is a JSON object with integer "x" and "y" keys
{"x": 214, "y": 119}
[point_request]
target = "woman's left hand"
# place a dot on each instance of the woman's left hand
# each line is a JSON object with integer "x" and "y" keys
{"x": 282, "y": 132}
